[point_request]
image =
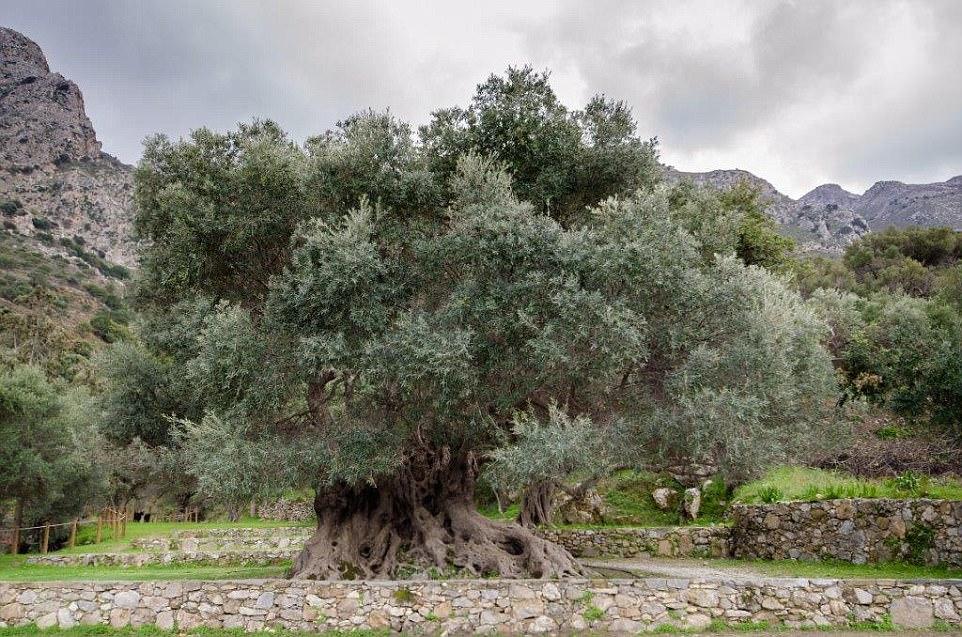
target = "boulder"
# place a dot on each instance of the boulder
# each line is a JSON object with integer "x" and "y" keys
{"x": 664, "y": 498}
{"x": 692, "y": 503}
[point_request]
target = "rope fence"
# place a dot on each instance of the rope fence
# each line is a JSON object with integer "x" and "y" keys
{"x": 111, "y": 523}
{"x": 110, "y": 520}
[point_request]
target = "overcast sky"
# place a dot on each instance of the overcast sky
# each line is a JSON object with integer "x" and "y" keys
{"x": 800, "y": 93}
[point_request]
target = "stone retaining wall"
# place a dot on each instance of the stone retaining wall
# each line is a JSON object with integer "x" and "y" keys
{"x": 132, "y": 560}
{"x": 231, "y": 540}
{"x": 529, "y": 606}
{"x": 856, "y": 530}
{"x": 680, "y": 541}
{"x": 223, "y": 546}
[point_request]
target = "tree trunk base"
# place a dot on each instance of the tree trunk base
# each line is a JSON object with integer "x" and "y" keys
{"x": 422, "y": 528}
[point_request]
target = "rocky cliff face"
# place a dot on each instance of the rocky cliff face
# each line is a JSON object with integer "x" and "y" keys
{"x": 892, "y": 203}
{"x": 55, "y": 182}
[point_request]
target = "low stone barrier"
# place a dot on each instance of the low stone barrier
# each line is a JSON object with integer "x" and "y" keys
{"x": 278, "y": 539}
{"x": 456, "y": 606}
{"x": 225, "y": 544}
{"x": 856, "y": 530}
{"x": 130, "y": 560}
{"x": 680, "y": 541}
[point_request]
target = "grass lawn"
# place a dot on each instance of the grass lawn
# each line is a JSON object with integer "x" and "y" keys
{"x": 840, "y": 570}
{"x": 802, "y": 484}
{"x": 13, "y": 568}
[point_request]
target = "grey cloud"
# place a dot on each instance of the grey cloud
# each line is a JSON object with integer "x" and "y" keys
{"x": 797, "y": 91}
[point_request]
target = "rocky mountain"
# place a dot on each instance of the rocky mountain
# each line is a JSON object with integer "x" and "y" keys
{"x": 56, "y": 185}
{"x": 892, "y": 203}
{"x": 828, "y": 218}
{"x": 818, "y": 221}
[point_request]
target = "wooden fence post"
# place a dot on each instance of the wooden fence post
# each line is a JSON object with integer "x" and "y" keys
{"x": 73, "y": 534}
{"x": 17, "y": 521}
{"x": 100, "y": 523}
{"x": 46, "y": 538}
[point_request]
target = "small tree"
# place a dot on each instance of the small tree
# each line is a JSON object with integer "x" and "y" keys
{"x": 46, "y": 460}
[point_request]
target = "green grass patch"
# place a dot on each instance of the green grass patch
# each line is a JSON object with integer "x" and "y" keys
{"x": 491, "y": 511}
{"x": 789, "y": 484}
{"x": 13, "y": 568}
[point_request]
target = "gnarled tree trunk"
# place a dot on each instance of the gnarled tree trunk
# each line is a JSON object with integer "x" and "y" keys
{"x": 422, "y": 518}
{"x": 537, "y": 506}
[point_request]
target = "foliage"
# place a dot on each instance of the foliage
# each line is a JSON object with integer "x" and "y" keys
{"x": 45, "y": 447}
{"x": 896, "y": 321}
{"x": 357, "y": 304}
{"x": 141, "y": 392}
{"x": 770, "y": 494}
{"x": 559, "y": 160}
{"x": 549, "y": 450}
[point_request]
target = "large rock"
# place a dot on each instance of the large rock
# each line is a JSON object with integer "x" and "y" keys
{"x": 692, "y": 503}
{"x": 588, "y": 509}
{"x": 664, "y": 498}
{"x": 912, "y": 612}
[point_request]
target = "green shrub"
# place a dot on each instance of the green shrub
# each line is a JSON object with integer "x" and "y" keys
{"x": 771, "y": 494}
{"x": 919, "y": 539}
{"x": 10, "y": 207}
{"x": 908, "y": 482}
{"x": 106, "y": 328}
{"x": 42, "y": 223}
{"x": 593, "y": 613}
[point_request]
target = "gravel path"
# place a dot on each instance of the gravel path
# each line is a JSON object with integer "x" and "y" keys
{"x": 671, "y": 567}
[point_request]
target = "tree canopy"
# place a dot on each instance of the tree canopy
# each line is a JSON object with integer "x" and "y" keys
{"x": 384, "y": 318}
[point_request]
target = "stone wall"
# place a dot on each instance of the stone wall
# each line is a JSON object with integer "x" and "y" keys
{"x": 856, "y": 531}
{"x": 274, "y": 539}
{"x": 268, "y": 546}
{"x": 456, "y": 606}
{"x": 133, "y": 560}
{"x": 679, "y": 541}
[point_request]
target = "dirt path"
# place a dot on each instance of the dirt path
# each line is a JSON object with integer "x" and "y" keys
{"x": 671, "y": 567}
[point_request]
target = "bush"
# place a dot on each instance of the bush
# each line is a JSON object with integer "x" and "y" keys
{"x": 771, "y": 495}
{"x": 107, "y": 328}
{"x": 42, "y": 223}
{"x": 10, "y": 207}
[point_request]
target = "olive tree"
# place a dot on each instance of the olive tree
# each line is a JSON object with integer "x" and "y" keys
{"x": 386, "y": 348}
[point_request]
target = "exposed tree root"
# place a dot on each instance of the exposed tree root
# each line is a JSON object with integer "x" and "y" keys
{"x": 414, "y": 524}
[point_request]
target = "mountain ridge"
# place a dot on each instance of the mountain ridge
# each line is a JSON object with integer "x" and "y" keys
{"x": 828, "y": 217}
